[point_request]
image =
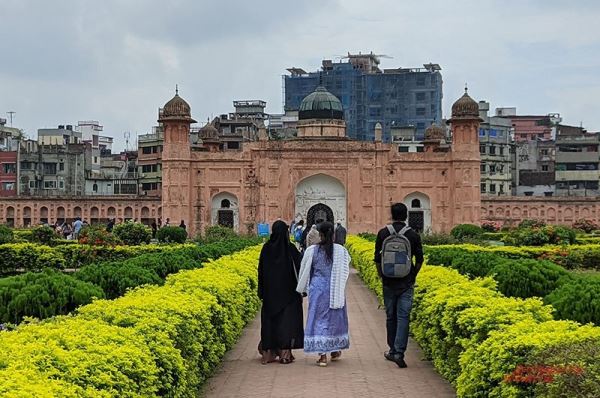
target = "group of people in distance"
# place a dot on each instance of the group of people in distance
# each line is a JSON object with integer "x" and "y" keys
{"x": 320, "y": 271}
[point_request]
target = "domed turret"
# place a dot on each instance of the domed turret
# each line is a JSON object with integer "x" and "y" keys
{"x": 321, "y": 104}
{"x": 465, "y": 107}
{"x": 209, "y": 132}
{"x": 176, "y": 109}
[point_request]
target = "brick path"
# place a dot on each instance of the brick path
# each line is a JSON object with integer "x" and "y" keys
{"x": 362, "y": 371}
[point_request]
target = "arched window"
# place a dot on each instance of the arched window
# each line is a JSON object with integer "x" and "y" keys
{"x": 225, "y": 204}
{"x": 415, "y": 204}
{"x": 95, "y": 187}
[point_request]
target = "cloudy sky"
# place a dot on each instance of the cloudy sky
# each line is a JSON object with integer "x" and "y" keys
{"x": 117, "y": 61}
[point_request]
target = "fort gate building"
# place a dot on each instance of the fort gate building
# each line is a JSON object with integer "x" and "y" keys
{"x": 321, "y": 173}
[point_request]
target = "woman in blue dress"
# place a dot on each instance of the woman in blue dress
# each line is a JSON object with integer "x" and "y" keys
{"x": 323, "y": 274}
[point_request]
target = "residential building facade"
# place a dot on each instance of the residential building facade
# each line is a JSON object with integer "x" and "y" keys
{"x": 577, "y": 162}
{"x": 495, "y": 145}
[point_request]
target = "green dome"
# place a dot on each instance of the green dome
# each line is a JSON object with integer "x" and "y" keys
{"x": 321, "y": 104}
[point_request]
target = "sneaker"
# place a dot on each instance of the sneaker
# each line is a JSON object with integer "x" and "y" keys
{"x": 396, "y": 359}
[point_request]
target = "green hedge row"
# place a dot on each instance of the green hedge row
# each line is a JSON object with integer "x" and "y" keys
{"x": 570, "y": 257}
{"x": 574, "y": 296}
{"x": 35, "y": 257}
{"x": 50, "y": 293}
{"x": 478, "y": 339}
{"x": 154, "y": 341}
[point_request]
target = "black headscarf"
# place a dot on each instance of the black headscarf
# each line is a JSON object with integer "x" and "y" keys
{"x": 276, "y": 277}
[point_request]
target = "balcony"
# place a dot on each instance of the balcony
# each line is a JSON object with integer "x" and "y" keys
{"x": 578, "y": 139}
{"x": 577, "y": 157}
{"x": 577, "y": 175}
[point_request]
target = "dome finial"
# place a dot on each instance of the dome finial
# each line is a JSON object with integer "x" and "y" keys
{"x": 466, "y": 88}
{"x": 176, "y": 90}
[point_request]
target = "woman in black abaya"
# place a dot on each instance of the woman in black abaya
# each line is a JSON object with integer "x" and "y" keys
{"x": 281, "y": 315}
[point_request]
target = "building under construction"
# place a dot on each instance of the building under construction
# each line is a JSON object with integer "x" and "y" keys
{"x": 369, "y": 95}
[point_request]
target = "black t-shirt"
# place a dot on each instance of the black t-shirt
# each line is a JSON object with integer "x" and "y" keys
{"x": 416, "y": 249}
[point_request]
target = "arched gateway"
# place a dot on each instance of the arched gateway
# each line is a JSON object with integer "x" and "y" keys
{"x": 321, "y": 196}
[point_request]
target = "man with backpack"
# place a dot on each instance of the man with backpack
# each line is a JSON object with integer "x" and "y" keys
{"x": 398, "y": 257}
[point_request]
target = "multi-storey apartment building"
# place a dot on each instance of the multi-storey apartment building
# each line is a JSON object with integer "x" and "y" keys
{"x": 495, "y": 147}
{"x": 577, "y": 162}
{"x": 369, "y": 95}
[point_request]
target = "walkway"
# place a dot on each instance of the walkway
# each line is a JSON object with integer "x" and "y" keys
{"x": 362, "y": 371}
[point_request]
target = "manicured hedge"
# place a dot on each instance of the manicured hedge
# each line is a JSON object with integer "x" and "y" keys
{"x": 570, "y": 257}
{"x": 474, "y": 335}
{"x": 43, "y": 295}
{"x": 154, "y": 341}
{"x": 35, "y": 257}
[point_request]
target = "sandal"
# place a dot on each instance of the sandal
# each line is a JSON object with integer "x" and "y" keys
{"x": 285, "y": 361}
{"x": 335, "y": 356}
{"x": 322, "y": 362}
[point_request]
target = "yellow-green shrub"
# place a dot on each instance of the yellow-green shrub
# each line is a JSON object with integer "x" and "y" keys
{"x": 86, "y": 353}
{"x": 154, "y": 341}
{"x": 474, "y": 335}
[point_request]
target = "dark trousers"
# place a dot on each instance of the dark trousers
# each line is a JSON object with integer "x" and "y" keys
{"x": 398, "y": 304}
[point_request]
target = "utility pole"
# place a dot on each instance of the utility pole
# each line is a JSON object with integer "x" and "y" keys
{"x": 10, "y": 115}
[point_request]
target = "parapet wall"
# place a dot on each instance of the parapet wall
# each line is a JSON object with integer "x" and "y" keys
{"x": 552, "y": 210}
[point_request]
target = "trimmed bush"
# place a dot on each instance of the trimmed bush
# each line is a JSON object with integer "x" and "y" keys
{"x": 466, "y": 231}
{"x": 474, "y": 335}
{"x": 43, "y": 234}
{"x": 368, "y": 236}
{"x": 435, "y": 239}
{"x": 133, "y": 233}
{"x": 28, "y": 257}
{"x": 217, "y": 233}
{"x": 528, "y": 278}
{"x": 116, "y": 278}
{"x": 6, "y": 234}
{"x": 171, "y": 235}
{"x": 164, "y": 264}
{"x": 43, "y": 295}
{"x": 587, "y": 226}
{"x": 78, "y": 355}
{"x": 578, "y": 299}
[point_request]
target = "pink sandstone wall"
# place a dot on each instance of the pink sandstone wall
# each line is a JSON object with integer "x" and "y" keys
{"x": 553, "y": 210}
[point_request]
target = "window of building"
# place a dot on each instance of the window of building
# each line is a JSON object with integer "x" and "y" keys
{"x": 146, "y": 150}
{"x": 95, "y": 159}
{"x": 482, "y": 167}
{"x": 26, "y": 165}
{"x": 8, "y": 186}
{"x": 482, "y": 132}
{"x": 402, "y": 149}
{"x": 544, "y": 152}
{"x": 61, "y": 185}
{"x": 420, "y": 111}
{"x": 528, "y": 193}
{"x": 61, "y": 167}
{"x": 501, "y": 149}
{"x": 420, "y": 149}
{"x": 149, "y": 186}
{"x": 420, "y": 97}
{"x": 482, "y": 187}
{"x": 225, "y": 204}
{"x": 149, "y": 168}
{"x": 95, "y": 187}
{"x": 492, "y": 150}
{"x": 493, "y": 133}
{"x": 32, "y": 184}
{"x": 500, "y": 188}
{"x": 415, "y": 204}
{"x": 492, "y": 188}
{"x": 9, "y": 168}
{"x": 482, "y": 149}
{"x": 548, "y": 193}
{"x": 49, "y": 168}
{"x": 420, "y": 80}
{"x": 492, "y": 169}
{"x": 233, "y": 145}
{"x": 49, "y": 184}
{"x": 544, "y": 167}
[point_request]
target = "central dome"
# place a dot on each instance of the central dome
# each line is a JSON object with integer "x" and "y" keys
{"x": 176, "y": 109}
{"x": 321, "y": 104}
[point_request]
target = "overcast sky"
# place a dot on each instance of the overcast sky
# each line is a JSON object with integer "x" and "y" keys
{"x": 117, "y": 61}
